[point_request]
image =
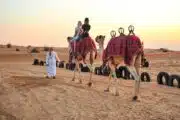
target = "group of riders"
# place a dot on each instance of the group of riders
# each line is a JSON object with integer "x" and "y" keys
{"x": 81, "y": 44}
{"x": 81, "y": 31}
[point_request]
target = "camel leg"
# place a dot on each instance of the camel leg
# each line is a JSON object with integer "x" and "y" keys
{"x": 113, "y": 74}
{"x": 138, "y": 68}
{"x": 135, "y": 71}
{"x": 91, "y": 72}
{"x": 91, "y": 69}
{"x": 79, "y": 72}
{"x": 109, "y": 83}
{"x": 74, "y": 76}
{"x": 115, "y": 89}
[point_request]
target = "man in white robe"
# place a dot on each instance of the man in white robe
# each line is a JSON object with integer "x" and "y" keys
{"x": 51, "y": 59}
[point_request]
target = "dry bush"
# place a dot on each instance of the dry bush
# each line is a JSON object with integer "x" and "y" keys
{"x": 46, "y": 48}
{"x": 9, "y": 45}
{"x": 17, "y": 49}
{"x": 29, "y": 46}
{"x": 164, "y": 49}
{"x": 35, "y": 50}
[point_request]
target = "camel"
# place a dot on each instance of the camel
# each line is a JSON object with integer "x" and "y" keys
{"x": 84, "y": 51}
{"x": 124, "y": 50}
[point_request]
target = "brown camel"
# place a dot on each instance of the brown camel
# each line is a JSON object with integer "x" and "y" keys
{"x": 124, "y": 50}
{"x": 84, "y": 51}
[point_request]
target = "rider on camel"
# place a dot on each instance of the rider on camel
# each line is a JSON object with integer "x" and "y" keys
{"x": 78, "y": 31}
{"x": 86, "y": 27}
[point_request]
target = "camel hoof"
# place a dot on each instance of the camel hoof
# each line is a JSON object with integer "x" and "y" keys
{"x": 106, "y": 90}
{"x": 135, "y": 98}
{"x": 73, "y": 79}
{"x": 89, "y": 84}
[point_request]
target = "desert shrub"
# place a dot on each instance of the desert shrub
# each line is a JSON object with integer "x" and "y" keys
{"x": 164, "y": 49}
{"x": 35, "y": 50}
{"x": 46, "y": 48}
{"x": 29, "y": 46}
{"x": 9, "y": 45}
{"x": 17, "y": 49}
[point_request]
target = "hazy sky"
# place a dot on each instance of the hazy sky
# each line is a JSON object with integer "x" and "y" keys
{"x": 49, "y": 22}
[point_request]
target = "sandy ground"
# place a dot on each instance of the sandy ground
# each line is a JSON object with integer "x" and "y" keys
{"x": 25, "y": 94}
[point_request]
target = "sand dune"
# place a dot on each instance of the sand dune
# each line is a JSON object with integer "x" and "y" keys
{"x": 25, "y": 93}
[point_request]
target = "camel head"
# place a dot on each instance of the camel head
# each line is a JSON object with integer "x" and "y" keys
{"x": 100, "y": 40}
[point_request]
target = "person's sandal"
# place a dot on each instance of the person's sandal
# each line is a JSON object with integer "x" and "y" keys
{"x": 47, "y": 77}
{"x": 54, "y": 77}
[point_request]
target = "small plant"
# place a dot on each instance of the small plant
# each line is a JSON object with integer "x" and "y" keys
{"x": 46, "y": 48}
{"x": 35, "y": 50}
{"x": 17, "y": 49}
{"x": 164, "y": 49}
{"x": 9, "y": 45}
{"x": 29, "y": 46}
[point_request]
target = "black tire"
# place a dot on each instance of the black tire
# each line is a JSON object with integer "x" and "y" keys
{"x": 67, "y": 65}
{"x": 131, "y": 76}
{"x": 95, "y": 70}
{"x": 172, "y": 78}
{"x": 72, "y": 66}
{"x": 143, "y": 75}
{"x": 84, "y": 69}
{"x": 118, "y": 73}
{"x": 126, "y": 72}
{"x": 61, "y": 65}
{"x": 146, "y": 64}
{"x": 36, "y": 62}
{"x": 161, "y": 75}
{"x": 99, "y": 71}
{"x": 80, "y": 65}
{"x": 105, "y": 71}
{"x": 57, "y": 64}
{"x": 41, "y": 63}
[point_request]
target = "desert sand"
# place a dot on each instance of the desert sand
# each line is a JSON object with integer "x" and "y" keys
{"x": 25, "y": 93}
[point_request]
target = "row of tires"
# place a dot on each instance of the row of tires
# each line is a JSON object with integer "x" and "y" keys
{"x": 62, "y": 65}
{"x": 73, "y": 65}
{"x": 39, "y": 62}
{"x": 42, "y": 63}
{"x": 121, "y": 72}
{"x": 168, "y": 79}
{"x": 104, "y": 70}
